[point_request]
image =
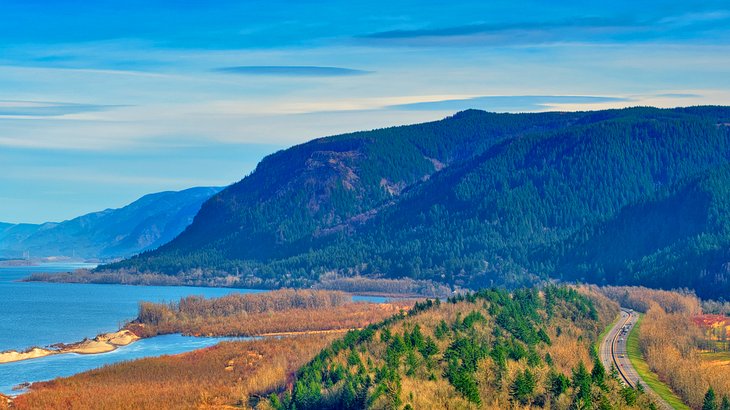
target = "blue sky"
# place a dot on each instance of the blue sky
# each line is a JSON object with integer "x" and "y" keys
{"x": 102, "y": 102}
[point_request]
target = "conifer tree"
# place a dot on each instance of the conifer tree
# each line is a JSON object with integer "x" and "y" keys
{"x": 710, "y": 402}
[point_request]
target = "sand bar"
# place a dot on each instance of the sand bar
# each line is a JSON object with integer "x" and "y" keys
{"x": 102, "y": 343}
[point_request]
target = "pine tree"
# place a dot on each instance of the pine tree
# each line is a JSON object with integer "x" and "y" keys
{"x": 582, "y": 384}
{"x": 710, "y": 402}
{"x": 523, "y": 386}
{"x": 725, "y": 405}
{"x": 598, "y": 374}
{"x": 557, "y": 383}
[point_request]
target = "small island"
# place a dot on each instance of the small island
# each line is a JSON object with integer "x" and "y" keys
{"x": 105, "y": 342}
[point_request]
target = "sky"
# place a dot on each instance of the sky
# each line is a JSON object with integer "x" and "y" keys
{"x": 102, "y": 102}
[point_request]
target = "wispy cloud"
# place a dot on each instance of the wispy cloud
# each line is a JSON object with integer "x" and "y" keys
{"x": 292, "y": 71}
{"x": 470, "y": 29}
{"x": 693, "y": 18}
{"x": 678, "y": 95}
{"x": 11, "y": 108}
{"x": 508, "y": 102}
{"x": 63, "y": 174}
{"x": 580, "y": 29}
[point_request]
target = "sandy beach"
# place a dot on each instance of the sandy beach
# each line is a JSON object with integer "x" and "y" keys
{"x": 102, "y": 343}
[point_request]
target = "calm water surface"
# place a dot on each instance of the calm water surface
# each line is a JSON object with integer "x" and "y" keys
{"x": 40, "y": 314}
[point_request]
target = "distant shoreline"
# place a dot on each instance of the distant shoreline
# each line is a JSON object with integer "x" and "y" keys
{"x": 10, "y": 263}
{"x": 103, "y": 343}
{"x": 403, "y": 288}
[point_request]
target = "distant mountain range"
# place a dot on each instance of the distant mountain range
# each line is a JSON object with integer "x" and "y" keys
{"x": 632, "y": 196}
{"x": 147, "y": 223}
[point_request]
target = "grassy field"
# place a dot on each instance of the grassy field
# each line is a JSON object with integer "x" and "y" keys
{"x": 716, "y": 358}
{"x": 649, "y": 377}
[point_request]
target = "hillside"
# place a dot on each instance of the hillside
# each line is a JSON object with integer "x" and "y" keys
{"x": 684, "y": 239}
{"x": 477, "y": 199}
{"x": 144, "y": 224}
{"x": 491, "y": 349}
{"x": 302, "y": 192}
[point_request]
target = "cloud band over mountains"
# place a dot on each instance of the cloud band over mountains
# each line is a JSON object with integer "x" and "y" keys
{"x": 507, "y": 102}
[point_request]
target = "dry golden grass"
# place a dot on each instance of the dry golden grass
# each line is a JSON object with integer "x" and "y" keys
{"x": 4, "y": 402}
{"x": 250, "y": 315}
{"x": 716, "y": 359}
{"x": 225, "y": 375}
{"x": 427, "y": 394}
{"x": 349, "y": 316}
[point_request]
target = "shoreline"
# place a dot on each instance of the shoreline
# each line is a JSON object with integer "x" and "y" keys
{"x": 103, "y": 343}
{"x": 108, "y": 342}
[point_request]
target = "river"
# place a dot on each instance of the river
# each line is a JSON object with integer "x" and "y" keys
{"x": 40, "y": 314}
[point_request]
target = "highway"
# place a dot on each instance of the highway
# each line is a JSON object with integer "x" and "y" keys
{"x": 613, "y": 354}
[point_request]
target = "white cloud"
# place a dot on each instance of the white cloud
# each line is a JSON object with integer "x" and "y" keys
{"x": 175, "y": 97}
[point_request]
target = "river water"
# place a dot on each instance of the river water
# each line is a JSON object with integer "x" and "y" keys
{"x": 40, "y": 314}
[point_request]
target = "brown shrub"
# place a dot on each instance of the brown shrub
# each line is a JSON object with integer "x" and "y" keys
{"x": 225, "y": 375}
{"x": 640, "y": 299}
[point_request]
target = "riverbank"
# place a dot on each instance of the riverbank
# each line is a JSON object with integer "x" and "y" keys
{"x": 5, "y": 402}
{"x": 225, "y": 375}
{"x": 103, "y": 343}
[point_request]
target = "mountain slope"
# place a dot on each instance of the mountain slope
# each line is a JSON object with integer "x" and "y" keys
{"x": 506, "y": 208}
{"x": 144, "y": 224}
{"x": 684, "y": 239}
{"x": 296, "y": 194}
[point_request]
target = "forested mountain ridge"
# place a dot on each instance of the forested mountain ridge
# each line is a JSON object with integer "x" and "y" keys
{"x": 516, "y": 196}
{"x": 534, "y": 193}
{"x": 145, "y": 223}
{"x": 296, "y": 193}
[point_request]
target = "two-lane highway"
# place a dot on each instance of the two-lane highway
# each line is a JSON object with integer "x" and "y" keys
{"x": 614, "y": 353}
